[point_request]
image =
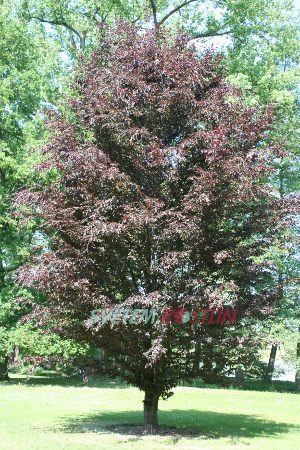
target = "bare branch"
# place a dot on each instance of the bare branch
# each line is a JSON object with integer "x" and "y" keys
{"x": 154, "y": 12}
{"x": 204, "y": 35}
{"x": 182, "y": 5}
{"x": 58, "y": 22}
{"x": 73, "y": 43}
{"x": 82, "y": 40}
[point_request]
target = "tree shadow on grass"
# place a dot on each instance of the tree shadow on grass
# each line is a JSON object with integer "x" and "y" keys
{"x": 249, "y": 385}
{"x": 190, "y": 423}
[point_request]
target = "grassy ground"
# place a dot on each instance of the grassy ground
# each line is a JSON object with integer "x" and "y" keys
{"x": 54, "y": 413}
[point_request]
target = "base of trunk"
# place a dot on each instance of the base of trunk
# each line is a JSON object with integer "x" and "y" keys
{"x": 150, "y": 412}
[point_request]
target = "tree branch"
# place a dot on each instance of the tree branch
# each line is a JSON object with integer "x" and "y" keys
{"x": 182, "y": 5}
{"x": 204, "y": 35}
{"x": 154, "y": 12}
{"x": 97, "y": 16}
{"x": 133, "y": 277}
{"x": 58, "y": 22}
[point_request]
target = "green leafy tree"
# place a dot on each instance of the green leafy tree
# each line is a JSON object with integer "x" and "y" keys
{"x": 27, "y": 84}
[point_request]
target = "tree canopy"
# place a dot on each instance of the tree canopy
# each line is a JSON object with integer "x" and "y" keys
{"x": 162, "y": 200}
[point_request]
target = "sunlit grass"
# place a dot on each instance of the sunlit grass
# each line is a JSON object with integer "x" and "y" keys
{"x": 54, "y": 413}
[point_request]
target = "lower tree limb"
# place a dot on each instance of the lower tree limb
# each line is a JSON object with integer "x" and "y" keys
{"x": 150, "y": 411}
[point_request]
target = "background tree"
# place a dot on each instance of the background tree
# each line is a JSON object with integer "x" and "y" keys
{"x": 268, "y": 68}
{"x": 254, "y": 28}
{"x": 163, "y": 202}
{"x": 29, "y": 81}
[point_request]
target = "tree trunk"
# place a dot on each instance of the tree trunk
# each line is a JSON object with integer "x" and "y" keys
{"x": 197, "y": 360}
{"x": 270, "y": 369}
{"x": 15, "y": 355}
{"x": 3, "y": 363}
{"x": 239, "y": 377}
{"x": 280, "y": 293}
{"x": 150, "y": 411}
{"x": 102, "y": 368}
{"x": 297, "y": 379}
{"x": 4, "y": 369}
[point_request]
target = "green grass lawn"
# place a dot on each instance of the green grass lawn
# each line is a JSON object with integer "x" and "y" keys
{"x": 52, "y": 413}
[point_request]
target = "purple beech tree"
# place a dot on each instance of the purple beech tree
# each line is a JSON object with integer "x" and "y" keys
{"x": 162, "y": 201}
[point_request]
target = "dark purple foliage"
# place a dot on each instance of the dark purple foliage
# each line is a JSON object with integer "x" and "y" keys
{"x": 163, "y": 202}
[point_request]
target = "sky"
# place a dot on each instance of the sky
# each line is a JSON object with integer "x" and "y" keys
{"x": 297, "y": 3}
